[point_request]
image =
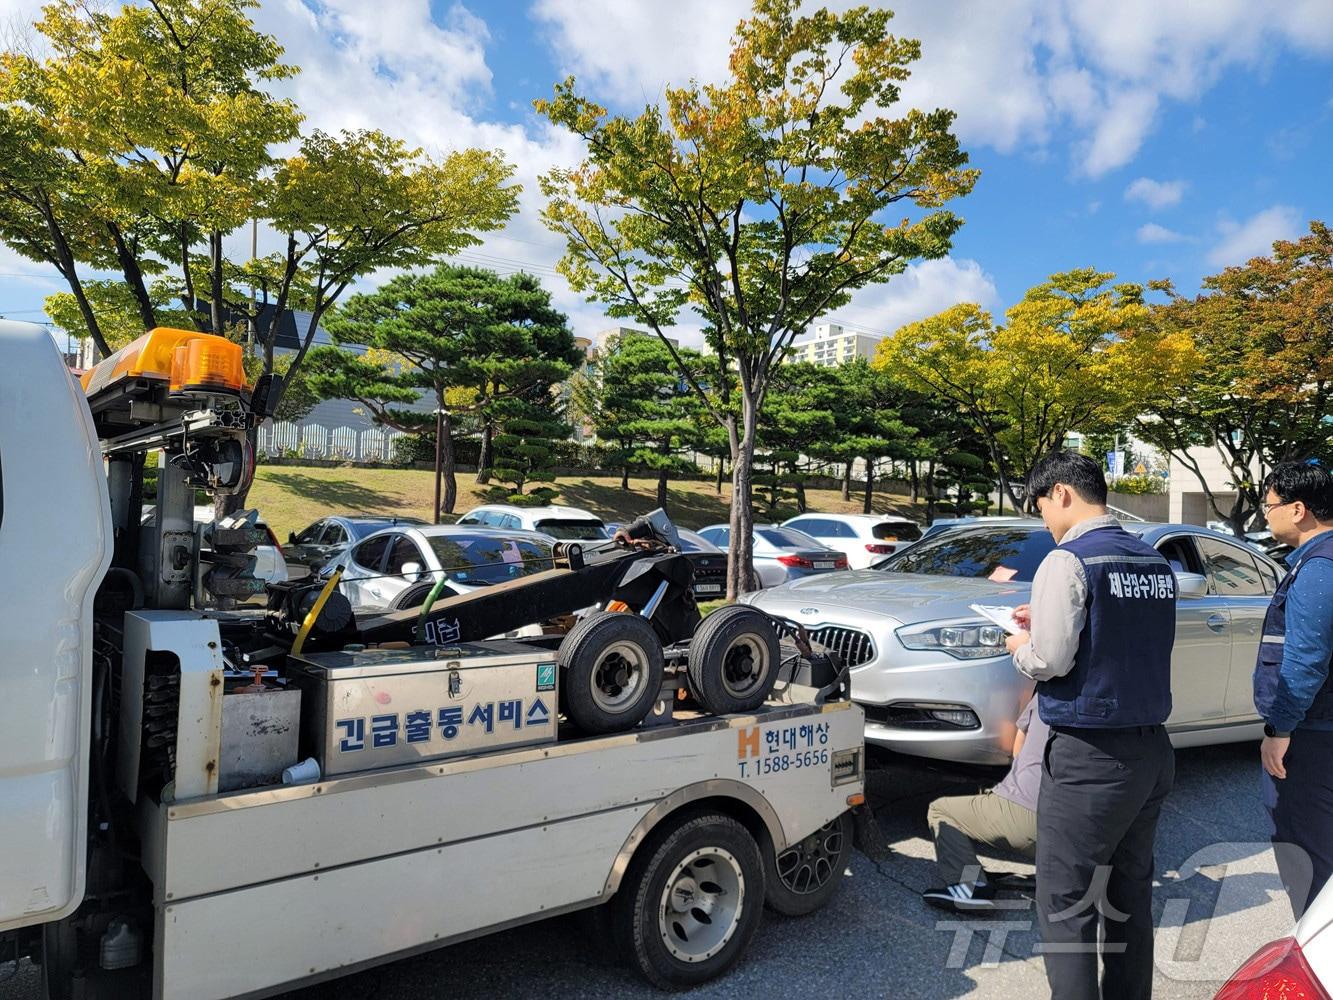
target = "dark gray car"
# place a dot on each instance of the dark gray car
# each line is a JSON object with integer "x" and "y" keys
{"x": 317, "y": 545}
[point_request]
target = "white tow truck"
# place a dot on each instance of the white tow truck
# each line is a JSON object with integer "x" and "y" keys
{"x": 203, "y": 797}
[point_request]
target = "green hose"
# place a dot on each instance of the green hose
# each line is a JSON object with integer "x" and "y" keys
{"x": 430, "y": 600}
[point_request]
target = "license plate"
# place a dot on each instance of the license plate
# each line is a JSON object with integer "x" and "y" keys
{"x": 823, "y": 565}
{"x": 708, "y": 588}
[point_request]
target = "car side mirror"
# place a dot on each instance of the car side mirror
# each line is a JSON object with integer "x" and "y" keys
{"x": 412, "y": 571}
{"x": 1191, "y": 585}
{"x": 291, "y": 538}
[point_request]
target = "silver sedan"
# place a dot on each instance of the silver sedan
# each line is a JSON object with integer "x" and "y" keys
{"x": 934, "y": 677}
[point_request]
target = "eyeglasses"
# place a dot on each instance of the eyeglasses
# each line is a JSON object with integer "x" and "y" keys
{"x": 1268, "y": 507}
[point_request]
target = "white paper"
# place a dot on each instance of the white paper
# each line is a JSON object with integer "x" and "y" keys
{"x": 1002, "y": 615}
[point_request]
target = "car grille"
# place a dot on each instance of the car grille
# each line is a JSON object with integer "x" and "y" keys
{"x": 852, "y": 645}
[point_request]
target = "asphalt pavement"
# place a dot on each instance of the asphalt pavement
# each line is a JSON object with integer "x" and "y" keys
{"x": 1217, "y": 898}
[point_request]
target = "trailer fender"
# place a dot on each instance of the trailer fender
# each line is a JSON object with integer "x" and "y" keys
{"x": 722, "y": 790}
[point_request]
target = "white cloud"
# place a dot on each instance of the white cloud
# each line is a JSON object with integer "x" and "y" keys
{"x": 1254, "y": 237}
{"x": 1155, "y": 194}
{"x": 1153, "y": 233}
{"x": 922, "y": 290}
{"x": 1022, "y": 74}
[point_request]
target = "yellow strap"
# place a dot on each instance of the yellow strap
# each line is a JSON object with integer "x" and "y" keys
{"x": 310, "y": 618}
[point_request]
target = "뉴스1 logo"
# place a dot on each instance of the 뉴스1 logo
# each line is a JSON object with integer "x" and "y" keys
{"x": 546, "y": 677}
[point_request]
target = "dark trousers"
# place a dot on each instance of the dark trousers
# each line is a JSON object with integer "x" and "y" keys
{"x": 1101, "y": 794}
{"x": 1300, "y": 807}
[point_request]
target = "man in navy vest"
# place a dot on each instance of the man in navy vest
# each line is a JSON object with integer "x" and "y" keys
{"x": 1101, "y": 625}
{"x": 1292, "y": 690}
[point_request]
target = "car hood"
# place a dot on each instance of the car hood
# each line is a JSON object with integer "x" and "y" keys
{"x": 905, "y": 597}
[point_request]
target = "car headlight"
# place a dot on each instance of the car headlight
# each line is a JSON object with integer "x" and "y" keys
{"x": 961, "y": 640}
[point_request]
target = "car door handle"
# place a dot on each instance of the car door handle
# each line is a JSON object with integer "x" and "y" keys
{"x": 1218, "y": 622}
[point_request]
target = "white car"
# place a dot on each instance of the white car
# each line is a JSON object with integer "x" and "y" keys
{"x": 397, "y": 567}
{"x": 567, "y": 524}
{"x": 863, "y": 538}
{"x": 1298, "y": 965}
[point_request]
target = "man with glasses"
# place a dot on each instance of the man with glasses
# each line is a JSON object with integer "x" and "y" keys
{"x": 1292, "y": 690}
{"x": 1100, "y": 629}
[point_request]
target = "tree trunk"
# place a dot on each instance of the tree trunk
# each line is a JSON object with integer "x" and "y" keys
{"x": 721, "y": 471}
{"x": 800, "y": 496}
{"x": 870, "y": 486}
{"x": 215, "y": 318}
{"x": 624, "y": 477}
{"x": 439, "y": 437}
{"x": 129, "y": 266}
{"x": 662, "y": 488}
{"x": 847, "y": 481}
{"x": 930, "y": 491}
{"x": 66, "y": 265}
{"x": 484, "y": 458}
{"x": 448, "y": 464}
{"x": 740, "y": 552}
{"x": 916, "y": 484}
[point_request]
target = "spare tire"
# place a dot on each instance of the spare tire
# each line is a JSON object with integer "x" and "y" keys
{"x": 612, "y": 663}
{"x": 733, "y": 660}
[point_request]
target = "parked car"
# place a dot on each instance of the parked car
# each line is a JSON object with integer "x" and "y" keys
{"x": 709, "y": 562}
{"x": 862, "y": 538}
{"x": 327, "y": 537}
{"x": 568, "y": 524}
{"x": 270, "y": 565}
{"x": 781, "y": 554}
{"x": 1298, "y": 965}
{"x": 395, "y": 568}
{"x": 934, "y": 677}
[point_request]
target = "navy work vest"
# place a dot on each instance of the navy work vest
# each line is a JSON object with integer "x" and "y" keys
{"x": 1122, "y": 671}
{"x": 1268, "y": 665}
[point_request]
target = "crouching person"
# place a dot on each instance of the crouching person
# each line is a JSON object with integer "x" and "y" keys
{"x": 1002, "y": 817}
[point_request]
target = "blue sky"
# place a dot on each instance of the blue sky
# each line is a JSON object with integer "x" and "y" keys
{"x": 1151, "y": 138}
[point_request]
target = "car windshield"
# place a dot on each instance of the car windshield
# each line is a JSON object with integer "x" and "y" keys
{"x": 788, "y": 538}
{"x": 360, "y": 529}
{"x": 478, "y": 560}
{"x": 573, "y": 529}
{"x": 1000, "y": 554}
{"x": 896, "y": 531}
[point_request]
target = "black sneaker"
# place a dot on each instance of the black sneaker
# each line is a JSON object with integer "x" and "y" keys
{"x": 1012, "y": 881}
{"x": 962, "y": 897}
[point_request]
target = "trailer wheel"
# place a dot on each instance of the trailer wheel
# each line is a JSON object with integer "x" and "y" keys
{"x": 613, "y": 667}
{"x": 806, "y": 875}
{"x": 733, "y": 660}
{"x": 691, "y": 901}
{"x": 415, "y": 596}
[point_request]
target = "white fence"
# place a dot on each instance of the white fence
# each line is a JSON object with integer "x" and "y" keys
{"x": 285, "y": 439}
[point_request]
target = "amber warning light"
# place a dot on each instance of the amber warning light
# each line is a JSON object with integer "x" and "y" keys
{"x": 186, "y": 360}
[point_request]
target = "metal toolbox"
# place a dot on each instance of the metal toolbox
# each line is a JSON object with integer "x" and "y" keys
{"x": 378, "y": 708}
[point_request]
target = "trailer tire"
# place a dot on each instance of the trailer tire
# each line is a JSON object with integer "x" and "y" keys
{"x": 733, "y": 660}
{"x": 612, "y": 664}
{"x": 415, "y": 596}
{"x": 805, "y": 876}
{"x": 691, "y": 901}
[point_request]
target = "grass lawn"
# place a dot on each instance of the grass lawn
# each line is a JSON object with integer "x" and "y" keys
{"x": 289, "y": 497}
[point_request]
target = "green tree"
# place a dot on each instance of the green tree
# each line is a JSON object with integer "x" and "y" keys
{"x": 463, "y": 338}
{"x": 146, "y": 132}
{"x": 797, "y": 424}
{"x": 760, "y": 203}
{"x": 1260, "y": 390}
{"x": 527, "y": 429}
{"x": 1077, "y": 353}
{"x": 637, "y": 400}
